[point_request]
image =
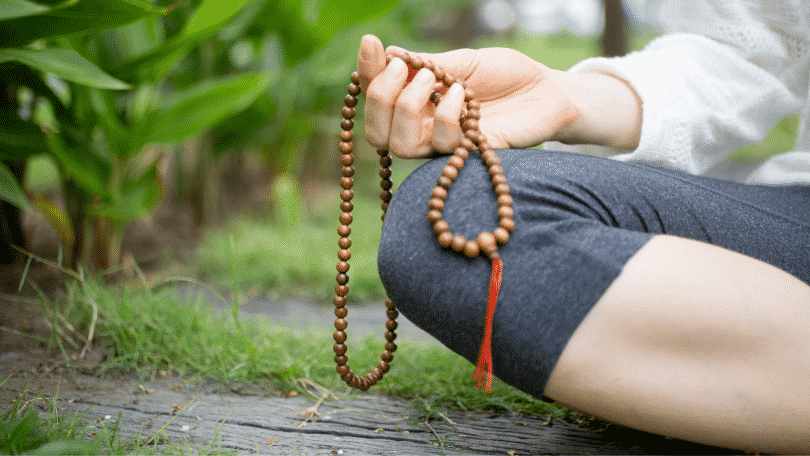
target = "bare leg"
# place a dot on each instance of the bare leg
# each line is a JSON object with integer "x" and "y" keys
{"x": 696, "y": 342}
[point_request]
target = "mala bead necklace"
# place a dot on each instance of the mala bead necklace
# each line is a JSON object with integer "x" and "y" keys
{"x": 486, "y": 243}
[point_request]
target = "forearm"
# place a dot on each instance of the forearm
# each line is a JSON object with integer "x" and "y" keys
{"x": 609, "y": 110}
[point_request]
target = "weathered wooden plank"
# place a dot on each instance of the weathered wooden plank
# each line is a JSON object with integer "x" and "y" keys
{"x": 360, "y": 424}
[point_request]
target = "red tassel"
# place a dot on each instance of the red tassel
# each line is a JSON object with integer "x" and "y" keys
{"x": 484, "y": 378}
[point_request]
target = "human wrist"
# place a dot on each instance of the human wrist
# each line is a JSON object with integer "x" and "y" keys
{"x": 610, "y": 111}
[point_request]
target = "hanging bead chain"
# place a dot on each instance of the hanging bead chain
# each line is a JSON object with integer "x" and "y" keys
{"x": 486, "y": 242}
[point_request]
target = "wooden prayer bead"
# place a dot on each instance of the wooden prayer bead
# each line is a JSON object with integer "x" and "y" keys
{"x": 506, "y": 212}
{"x": 346, "y": 218}
{"x": 439, "y": 192}
{"x": 342, "y": 266}
{"x": 449, "y": 171}
{"x": 344, "y": 254}
{"x": 487, "y": 241}
{"x": 466, "y": 143}
{"x": 501, "y": 235}
{"x": 346, "y": 147}
{"x": 350, "y": 101}
{"x": 436, "y": 204}
{"x": 445, "y": 238}
{"x": 456, "y": 162}
{"x": 458, "y": 243}
{"x": 461, "y": 153}
{"x": 339, "y": 336}
{"x": 346, "y": 135}
{"x": 505, "y": 200}
{"x": 501, "y": 189}
{"x": 472, "y": 249}
{"x": 341, "y": 359}
{"x": 341, "y": 312}
{"x": 434, "y": 215}
{"x": 440, "y": 227}
{"x": 342, "y": 278}
{"x": 507, "y": 223}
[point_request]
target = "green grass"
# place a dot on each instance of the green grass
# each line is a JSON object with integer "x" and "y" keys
{"x": 38, "y": 426}
{"x": 152, "y": 329}
{"x": 148, "y": 330}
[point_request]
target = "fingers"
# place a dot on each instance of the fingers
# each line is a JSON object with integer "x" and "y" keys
{"x": 446, "y": 131}
{"x": 410, "y": 132}
{"x": 399, "y": 116}
{"x": 381, "y": 95}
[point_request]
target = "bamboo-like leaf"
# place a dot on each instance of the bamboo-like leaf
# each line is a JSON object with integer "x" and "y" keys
{"x": 210, "y": 16}
{"x": 85, "y": 168}
{"x": 10, "y": 9}
{"x": 74, "y": 17}
{"x": 57, "y": 218}
{"x": 336, "y": 14}
{"x": 133, "y": 199}
{"x": 18, "y": 138}
{"x": 10, "y": 190}
{"x": 65, "y": 63}
{"x": 197, "y": 109}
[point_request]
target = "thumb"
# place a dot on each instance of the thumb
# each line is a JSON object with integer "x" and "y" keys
{"x": 370, "y": 60}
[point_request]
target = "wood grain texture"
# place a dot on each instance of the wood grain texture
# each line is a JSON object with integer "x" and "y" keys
{"x": 251, "y": 419}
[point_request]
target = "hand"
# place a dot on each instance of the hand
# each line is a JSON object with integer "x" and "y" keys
{"x": 521, "y": 104}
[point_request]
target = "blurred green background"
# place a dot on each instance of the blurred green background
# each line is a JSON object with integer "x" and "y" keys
{"x": 142, "y": 135}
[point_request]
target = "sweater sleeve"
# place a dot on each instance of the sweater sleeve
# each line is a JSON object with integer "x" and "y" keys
{"x": 701, "y": 99}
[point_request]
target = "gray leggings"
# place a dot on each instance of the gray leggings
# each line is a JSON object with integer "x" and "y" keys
{"x": 578, "y": 220}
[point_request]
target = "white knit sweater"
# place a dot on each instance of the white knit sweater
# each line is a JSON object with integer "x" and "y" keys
{"x": 725, "y": 73}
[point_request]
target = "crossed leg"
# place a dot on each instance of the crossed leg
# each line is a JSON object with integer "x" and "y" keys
{"x": 696, "y": 342}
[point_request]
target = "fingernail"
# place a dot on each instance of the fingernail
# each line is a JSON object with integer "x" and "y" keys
{"x": 396, "y": 69}
{"x": 424, "y": 77}
{"x": 454, "y": 89}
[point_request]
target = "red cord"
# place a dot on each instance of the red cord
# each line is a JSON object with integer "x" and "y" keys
{"x": 484, "y": 378}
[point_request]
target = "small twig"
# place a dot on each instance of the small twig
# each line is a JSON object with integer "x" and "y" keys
{"x": 92, "y": 330}
{"x": 441, "y": 442}
{"x": 446, "y": 418}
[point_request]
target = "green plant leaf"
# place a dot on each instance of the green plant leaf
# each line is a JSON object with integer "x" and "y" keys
{"x": 19, "y": 139}
{"x": 74, "y": 17}
{"x": 57, "y": 217}
{"x": 10, "y": 190}
{"x": 87, "y": 169}
{"x": 10, "y": 9}
{"x": 194, "y": 110}
{"x": 65, "y": 63}
{"x": 133, "y": 199}
{"x": 336, "y": 14}
{"x": 210, "y": 16}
